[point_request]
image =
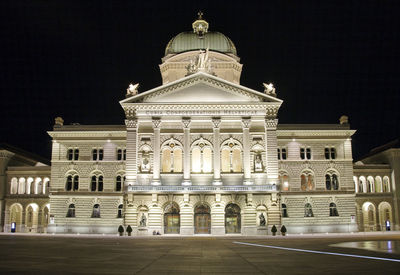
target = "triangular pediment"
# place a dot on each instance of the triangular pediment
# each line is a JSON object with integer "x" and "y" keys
{"x": 198, "y": 88}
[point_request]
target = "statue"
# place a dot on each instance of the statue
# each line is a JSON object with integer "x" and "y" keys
{"x": 202, "y": 63}
{"x": 258, "y": 165}
{"x": 132, "y": 90}
{"x": 269, "y": 89}
{"x": 202, "y": 60}
{"x": 143, "y": 220}
{"x": 262, "y": 219}
{"x": 145, "y": 165}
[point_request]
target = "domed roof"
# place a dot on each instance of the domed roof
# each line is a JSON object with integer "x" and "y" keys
{"x": 200, "y": 38}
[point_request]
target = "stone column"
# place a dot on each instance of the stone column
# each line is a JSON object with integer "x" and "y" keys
{"x": 271, "y": 155}
{"x": 246, "y": 150}
{"x": 186, "y": 151}
{"x": 131, "y": 151}
{"x": 217, "y": 151}
{"x": 156, "y": 151}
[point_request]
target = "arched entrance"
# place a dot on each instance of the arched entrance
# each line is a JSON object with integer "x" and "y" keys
{"x": 232, "y": 219}
{"x": 202, "y": 220}
{"x": 16, "y": 216}
{"x": 31, "y": 218}
{"x": 172, "y": 220}
{"x": 369, "y": 216}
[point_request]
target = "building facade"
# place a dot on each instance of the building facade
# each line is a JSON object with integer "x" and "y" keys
{"x": 200, "y": 154}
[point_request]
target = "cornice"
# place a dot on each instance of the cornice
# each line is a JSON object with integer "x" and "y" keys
{"x": 315, "y": 133}
{"x": 87, "y": 134}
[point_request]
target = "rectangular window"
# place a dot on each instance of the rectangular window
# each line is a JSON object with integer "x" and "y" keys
{"x": 330, "y": 153}
{"x": 284, "y": 156}
{"x": 94, "y": 154}
{"x": 124, "y": 154}
{"x": 101, "y": 153}
{"x": 327, "y": 153}
{"x": 279, "y": 153}
{"x": 119, "y": 154}
{"x": 70, "y": 154}
{"x": 302, "y": 153}
{"x": 308, "y": 153}
{"x": 76, "y": 154}
{"x": 333, "y": 153}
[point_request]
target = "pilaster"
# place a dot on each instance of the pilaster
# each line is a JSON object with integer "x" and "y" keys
{"x": 131, "y": 151}
{"x": 271, "y": 150}
{"x": 246, "y": 121}
{"x": 217, "y": 152}
{"x": 186, "y": 151}
{"x": 156, "y": 148}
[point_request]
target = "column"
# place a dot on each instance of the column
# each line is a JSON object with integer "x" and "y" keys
{"x": 131, "y": 151}
{"x": 156, "y": 151}
{"x": 217, "y": 151}
{"x": 186, "y": 151}
{"x": 246, "y": 150}
{"x": 271, "y": 155}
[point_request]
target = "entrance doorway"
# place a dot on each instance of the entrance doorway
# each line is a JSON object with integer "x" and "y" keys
{"x": 202, "y": 220}
{"x": 172, "y": 220}
{"x": 232, "y": 219}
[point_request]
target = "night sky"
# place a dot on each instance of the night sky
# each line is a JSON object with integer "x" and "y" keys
{"x": 75, "y": 59}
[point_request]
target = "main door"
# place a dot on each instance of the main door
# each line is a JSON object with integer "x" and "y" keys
{"x": 232, "y": 219}
{"x": 202, "y": 220}
{"x": 172, "y": 219}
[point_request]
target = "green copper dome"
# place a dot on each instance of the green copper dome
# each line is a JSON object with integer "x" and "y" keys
{"x": 189, "y": 41}
{"x": 200, "y": 38}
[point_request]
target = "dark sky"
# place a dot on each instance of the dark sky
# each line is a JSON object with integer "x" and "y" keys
{"x": 75, "y": 59}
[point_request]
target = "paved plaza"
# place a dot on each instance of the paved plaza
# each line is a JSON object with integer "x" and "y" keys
{"x": 49, "y": 254}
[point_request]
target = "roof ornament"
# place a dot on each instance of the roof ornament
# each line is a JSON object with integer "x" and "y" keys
{"x": 269, "y": 89}
{"x": 200, "y": 26}
{"x": 132, "y": 90}
{"x": 200, "y": 64}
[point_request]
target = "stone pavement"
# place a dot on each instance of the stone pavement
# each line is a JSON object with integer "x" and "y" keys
{"x": 98, "y": 254}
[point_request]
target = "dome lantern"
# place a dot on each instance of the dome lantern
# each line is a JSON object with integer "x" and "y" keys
{"x": 200, "y": 26}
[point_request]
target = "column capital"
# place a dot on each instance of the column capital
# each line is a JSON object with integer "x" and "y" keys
{"x": 246, "y": 121}
{"x": 156, "y": 122}
{"x": 271, "y": 123}
{"x": 186, "y": 122}
{"x": 216, "y": 121}
{"x": 131, "y": 123}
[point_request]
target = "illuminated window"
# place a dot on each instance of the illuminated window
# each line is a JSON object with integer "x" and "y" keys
{"x": 96, "y": 211}
{"x": 231, "y": 156}
{"x": 307, "y": 181}
{"x": 201, "y": 157}
{"x": 171, "y": 157}
{"x": 14, "y": 186}
{"x": 333, "y": 210}
{"x": 308, "y": 210}
{"x": 284, "y": 181}
{"x": 386, "y": 186}
{"x": 71, "y": 211}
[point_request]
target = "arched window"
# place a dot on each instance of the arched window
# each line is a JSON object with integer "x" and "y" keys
{"x": 68, "y": 185}
{"x": 118, "y": 183}
{"x": 30, "y": 188}
{"x": 76, "y": 182}
{"x": 231, "y": 156}
{"x": 71, "y": 211}
{"x": 284, "y": 211}
{"x": 70, "y": 154}
{"x": 96, "y": 183}
{"x": 378, "y": 184}
{"x": 370, "y": 185}
{"x": 333, "y": 210}
{"x": 100, "y": 181}
{"x": 362, "y": 185}
{"x": 96, "y": 211}
{"x": 331, "y": 181}
{"x": 14, "y": 186}
{"x": 21, "y": 186}
{"x": 328, "y": 182}
{"x": 76, "y": 154}
{"x": 386, "y": 186}
{"x": 284, "y": 181}
{"x": 120, "y": 208}
{"x": 201, "y": 156}
{"x": 307, "y": 181}
{"x": 171, "y": 157}
{"x": 308, "y": 210}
